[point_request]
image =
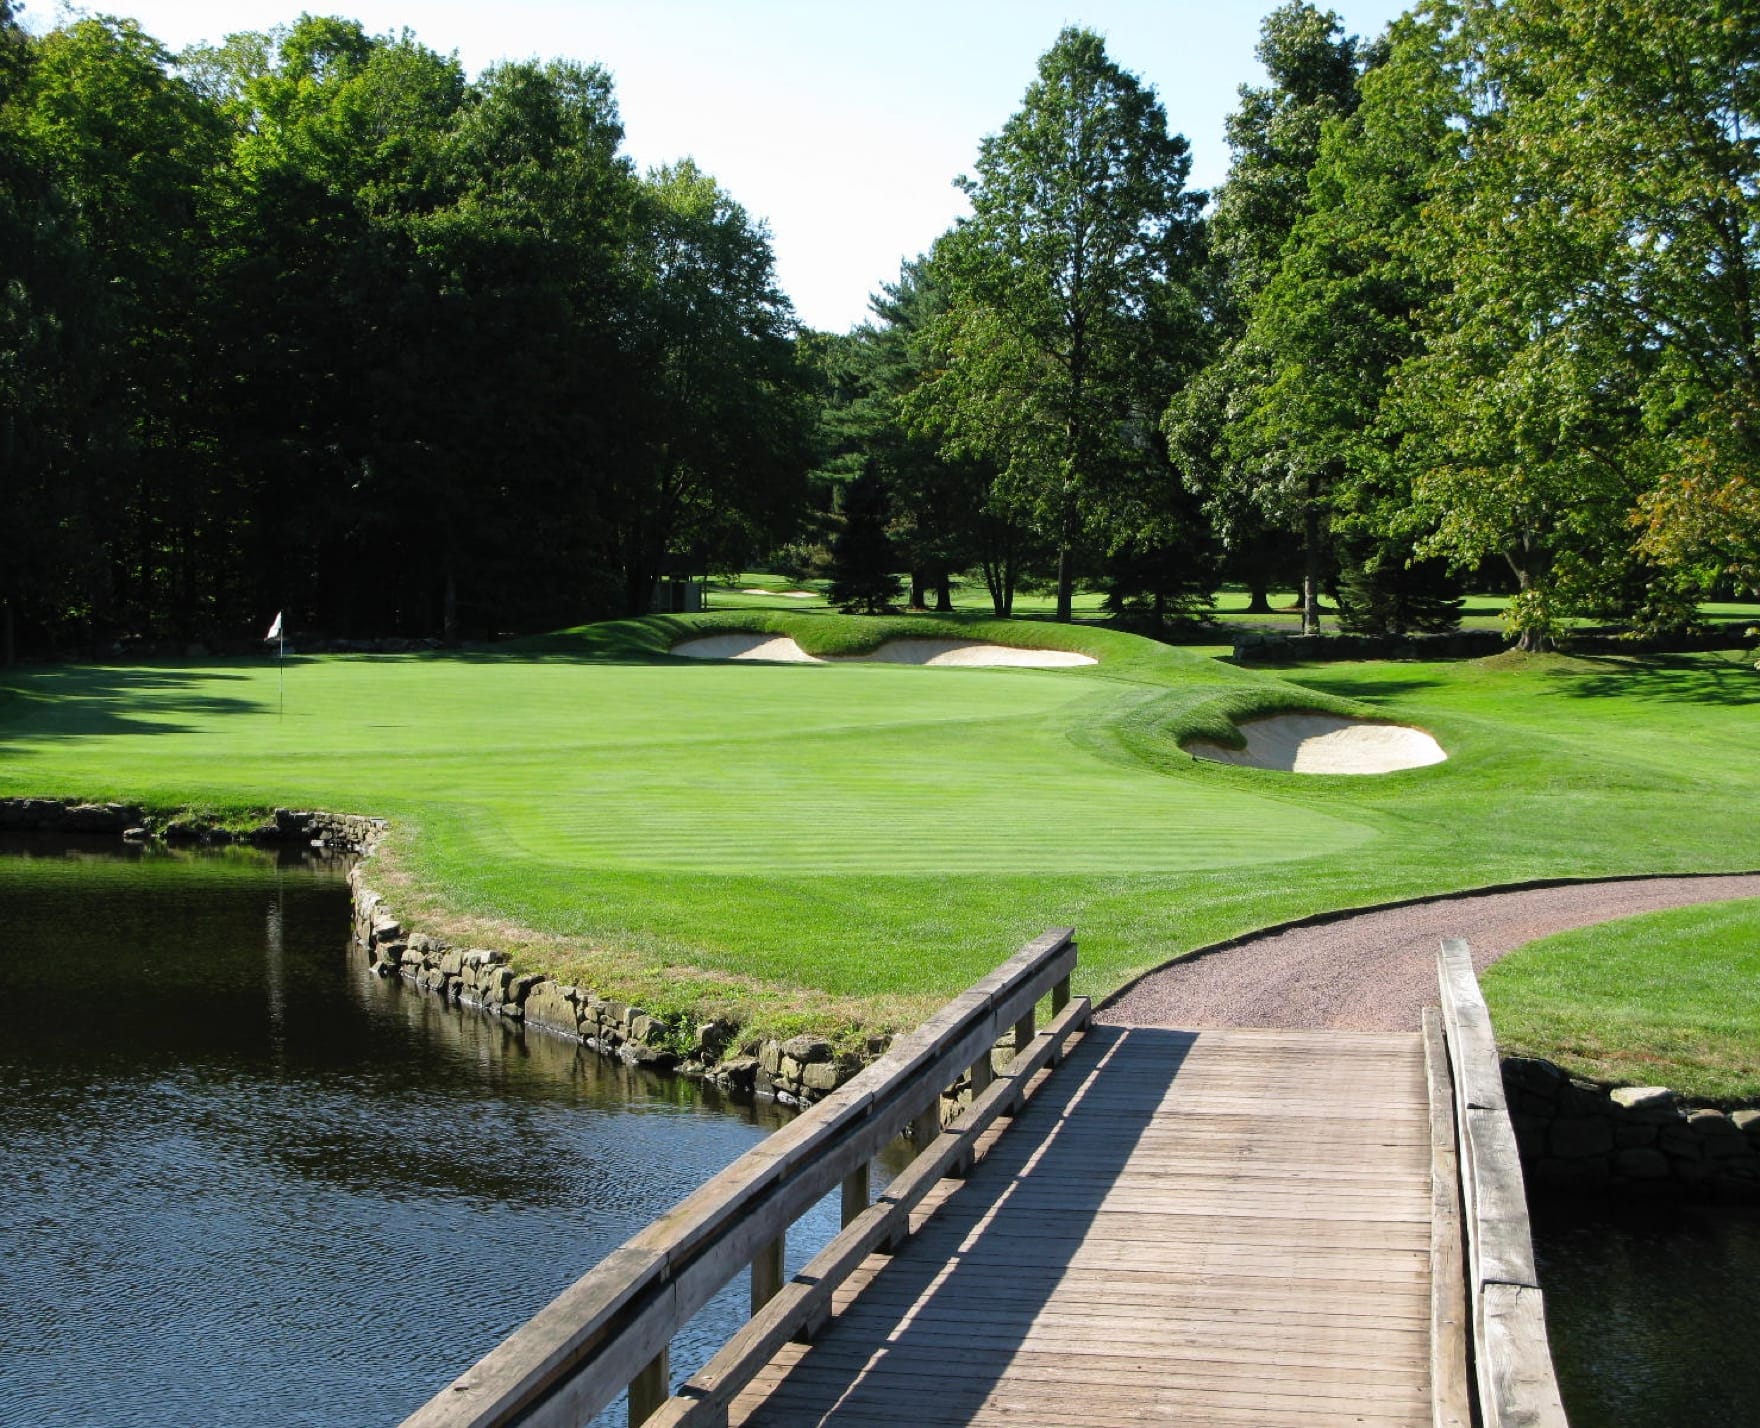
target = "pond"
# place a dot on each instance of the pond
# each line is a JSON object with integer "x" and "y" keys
{"x": 248, "y": 1182}
{"x": 1652, "y": 1311}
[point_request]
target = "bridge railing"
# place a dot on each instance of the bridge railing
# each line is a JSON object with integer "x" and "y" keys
{"x": 612, "y": 1328}
{"x": 1511, "y": 1359}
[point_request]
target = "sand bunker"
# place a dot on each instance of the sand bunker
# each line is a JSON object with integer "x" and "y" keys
{"x": 786, "y": 594}
{"x": 1324, "y": 744}
{"x": 780, "y": 649}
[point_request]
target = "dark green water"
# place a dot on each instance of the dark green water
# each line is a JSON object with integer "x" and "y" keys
{"x": 1653, "y": 1312}
{"x": 245, "y": 1182}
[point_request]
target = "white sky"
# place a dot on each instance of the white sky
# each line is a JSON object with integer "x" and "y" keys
{"x": 841, "y": 123}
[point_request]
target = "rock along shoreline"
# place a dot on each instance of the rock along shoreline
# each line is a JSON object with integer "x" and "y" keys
{"x": 798, "y": 1071}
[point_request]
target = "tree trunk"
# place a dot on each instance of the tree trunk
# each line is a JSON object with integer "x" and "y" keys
{"x": 449, "y": 610}
{"x": 1311, "y": 559}
{"x": 993, "y": 583}
{"x": 916, "y": 601}
{"x": 1258, "y": 597}
{"x": 943, "y": 594}
{"x": 1529, "y": 640}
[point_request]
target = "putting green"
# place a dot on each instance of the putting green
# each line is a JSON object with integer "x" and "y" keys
{"x": 747, "y": 769}
{"x": 805, "y": 847}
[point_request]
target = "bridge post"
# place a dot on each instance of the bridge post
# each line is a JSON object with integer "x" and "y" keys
{"x": 857, "y": 1191}
{"x": 1059, "y": 1000}
{"x": 767, "y": 1272}
{"x": 650, "y": 1388}
{"x": 981, "y": 1076}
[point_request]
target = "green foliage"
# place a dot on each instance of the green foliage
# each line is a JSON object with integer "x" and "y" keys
{"x": 1067, "y": 313}
{"x": 1381, "y": 594}
{"x": 1255, "y": 463}
{"x": 862, "y": 558}
{"x": 1599, "y": 242}
{"x": 307, "y": 306}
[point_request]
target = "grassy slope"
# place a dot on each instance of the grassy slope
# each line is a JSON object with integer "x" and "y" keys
{"x": 798, "y": 844}
{"x": 1670, "y": 998}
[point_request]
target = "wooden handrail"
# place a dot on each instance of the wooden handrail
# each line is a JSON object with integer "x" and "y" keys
{"x": 1512, "y": 1362}
{"x": 612, "y": 1327}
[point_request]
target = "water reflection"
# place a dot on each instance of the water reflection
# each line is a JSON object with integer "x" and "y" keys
{"x": 248, "y": 1181}
{"x": 1651, "y": 1310}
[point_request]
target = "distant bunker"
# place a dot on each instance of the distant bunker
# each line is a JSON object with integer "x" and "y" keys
{"x": 1324, "y": 744}
{"x": 780, "y": 649}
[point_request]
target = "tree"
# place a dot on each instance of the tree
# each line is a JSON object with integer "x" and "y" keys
{"x": 128, "y": 151}
{"x": 862, "y": 558}
{"x": 1056, "y": 312}
{"x": 1598, "y": 344}
{"x": 1249, "y": 474}
{"x": 1635, "y": 121}
{"x": 1341, "y": 312}
{"x": 51, "y": 330}
{"x": 715, "y": 438}
{"x": 943, "y": 515}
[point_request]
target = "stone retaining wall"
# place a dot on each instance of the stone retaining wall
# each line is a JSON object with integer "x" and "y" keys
{"x": 338, "y": 832}
{"x": 1577, "y": 1135}
{"x": 797, "y": 1071}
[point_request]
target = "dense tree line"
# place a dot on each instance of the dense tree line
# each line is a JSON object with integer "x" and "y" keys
{"x": 1476, "y": 301}
{"x": 313, "y": 321}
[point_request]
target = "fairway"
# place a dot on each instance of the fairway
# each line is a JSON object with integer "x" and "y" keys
{"x": 814, "y": 846}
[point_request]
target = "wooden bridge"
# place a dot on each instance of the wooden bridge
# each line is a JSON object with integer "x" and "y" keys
{"x": 1217, "y": 1227}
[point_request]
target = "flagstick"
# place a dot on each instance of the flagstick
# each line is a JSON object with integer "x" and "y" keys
{"x": 281, "y": 673}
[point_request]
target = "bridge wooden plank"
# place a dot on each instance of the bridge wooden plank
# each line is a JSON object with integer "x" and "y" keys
{"x": 1219, "y": 1227}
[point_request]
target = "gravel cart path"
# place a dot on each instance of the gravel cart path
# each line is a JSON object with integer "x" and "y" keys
{"x": 1376, "y": 971}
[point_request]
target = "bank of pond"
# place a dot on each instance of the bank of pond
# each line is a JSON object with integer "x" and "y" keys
{"x": 249, "y": 1181}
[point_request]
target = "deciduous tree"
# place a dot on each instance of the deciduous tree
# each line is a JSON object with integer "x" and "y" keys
{"x": 1058, "y": 314}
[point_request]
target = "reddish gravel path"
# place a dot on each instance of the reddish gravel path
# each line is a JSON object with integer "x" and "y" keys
{"x": 1376, "y": 971}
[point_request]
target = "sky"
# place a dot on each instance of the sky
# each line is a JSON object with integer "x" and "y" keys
{"x": 841, "y": 124}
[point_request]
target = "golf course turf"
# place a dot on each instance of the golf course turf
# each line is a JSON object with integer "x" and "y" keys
{"x": 830, "y": 845}
{"x": 1667, "y": 998}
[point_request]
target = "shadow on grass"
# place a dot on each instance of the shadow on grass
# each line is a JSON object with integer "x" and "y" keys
{"x": 1353, "y": 688}
{"x": 82, "y": 701}
{"x": 1677, "y": 679}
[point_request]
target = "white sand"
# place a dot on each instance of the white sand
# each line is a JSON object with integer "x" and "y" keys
{"x": 785, "y": 594}
{"x": 969, "y": 652}
{"x": 780, "y": 649}
{"x": 1324, "y": 744}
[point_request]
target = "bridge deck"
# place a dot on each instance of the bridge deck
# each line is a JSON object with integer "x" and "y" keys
{"x": 1226, "y": 1227}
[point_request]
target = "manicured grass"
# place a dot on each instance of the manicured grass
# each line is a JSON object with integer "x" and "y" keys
{"x": 814, "y": 845}
{"x": 1666, "y": 999}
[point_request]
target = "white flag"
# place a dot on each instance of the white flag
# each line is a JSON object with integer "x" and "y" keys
{"x": 275, "y": 629}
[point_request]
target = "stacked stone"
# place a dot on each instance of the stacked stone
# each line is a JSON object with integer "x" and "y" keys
{"x": 798, "y": 1071}
{"x": 1272, "y": 646}
{"x": 1574, "y": 1133}
{"x": 340, "y": 832}
{"x": 344, "y": 832}
{"x": 65, "y": 815}
{"x": 801, "y": 1070}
